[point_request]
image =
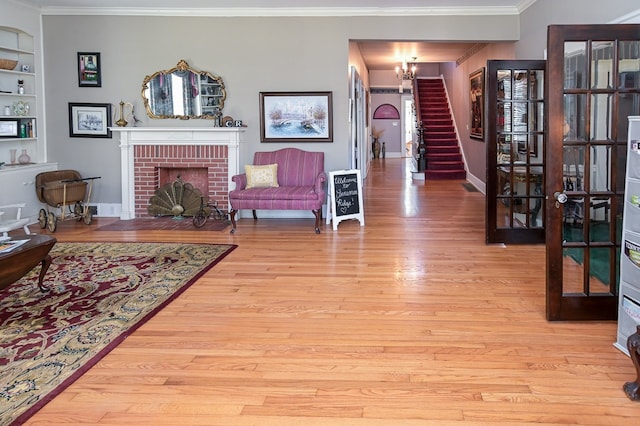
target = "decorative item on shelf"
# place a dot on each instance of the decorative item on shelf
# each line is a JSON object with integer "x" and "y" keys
{"x": 24, "y": 157}
{"x": 7, "y": 110}
{"x": 21, "y": 87}
{"x": 20, "y": 108}
{"x": 14, "y": 157}
{"x": 121, "y": 122}
{"x": 217, "y": 117}
{"x": 228, "y": 121}
{"x": 7, "y": 64}
{"x": 132, "y": 115}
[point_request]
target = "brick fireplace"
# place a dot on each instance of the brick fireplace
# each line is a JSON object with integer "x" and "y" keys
{"x": 152, "y": 157}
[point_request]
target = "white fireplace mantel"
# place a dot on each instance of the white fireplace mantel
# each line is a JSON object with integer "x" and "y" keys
{"x": 231, "y": 137}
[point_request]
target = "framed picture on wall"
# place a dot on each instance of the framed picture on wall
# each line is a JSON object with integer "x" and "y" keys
{"x": 476, "y": 97}
{"x": 89, "y": 74}
{"x": 296, "y": 117}
{"x": 89, "y": 120}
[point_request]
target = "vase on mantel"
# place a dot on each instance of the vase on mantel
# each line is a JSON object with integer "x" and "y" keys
{"x": 24, "y": 157}
{"x": 13, "y": 155}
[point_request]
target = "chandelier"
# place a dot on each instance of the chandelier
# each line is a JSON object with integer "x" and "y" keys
{"x": 407, "y": 71}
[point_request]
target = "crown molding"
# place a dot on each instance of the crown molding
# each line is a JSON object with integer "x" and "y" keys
{"x": 299, "y": 11}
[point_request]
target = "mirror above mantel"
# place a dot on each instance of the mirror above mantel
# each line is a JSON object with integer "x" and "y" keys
{"x": 183, "y": 92}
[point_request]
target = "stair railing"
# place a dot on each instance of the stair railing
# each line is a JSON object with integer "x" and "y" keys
{"x": 422, "y": 150}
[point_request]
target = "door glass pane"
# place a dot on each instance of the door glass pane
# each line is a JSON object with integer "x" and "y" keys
{"x": 601, "y": 114}
{"x": 536, "y": 84}
{"x": 573, "y": 168}
{"x": 520, "y": 116}
{"x": 520, "y": 85}
{"x": 519, "y": 213}
{"x": 600, "y": 179}
{"x": 505, "y": 155}
{"x": 600, "y": 214}
{"x": 575, "y": 108}
{"x": 602, "y": 64}
{"x": 599, "y": 270}
{"x": 535, "y": 145}
{"x": 504, "y": 181}
{"x": 599, "y": 231}
{"x": 575, "y": 65}
{"x": 537, "y": 212}
{"x": 502, "y": 213}
{"x": 628, "y": 104}
{"x": 573, "y": 217}
{"x": 628, "y": 54}
{"x": 573, "y": 270}
{"x": 536, "y": 117}
{"x": 522, "y": 144}
{"x": 504, "y": 84}
{"x": 503, "y": 120}
{"x": 537, "y": 217}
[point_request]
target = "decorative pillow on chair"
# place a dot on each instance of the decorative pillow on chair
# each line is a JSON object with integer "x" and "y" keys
{"x": 262, "y": 176}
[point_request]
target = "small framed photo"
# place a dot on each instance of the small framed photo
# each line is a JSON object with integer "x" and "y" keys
{"x": 296, "y": 117}
{"x": 89, "y": 120}
{"x": 9, "y": 128}
{"x": 89, "y": 74}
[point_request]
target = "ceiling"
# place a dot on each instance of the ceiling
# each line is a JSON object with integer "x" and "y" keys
{"x": 378, "y": 55}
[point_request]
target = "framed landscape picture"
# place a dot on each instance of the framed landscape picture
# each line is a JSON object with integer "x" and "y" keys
{"x": 296, "y": 117}
{"x": 89, "y": 120}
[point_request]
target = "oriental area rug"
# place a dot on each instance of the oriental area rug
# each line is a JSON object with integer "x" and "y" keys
{"x": 99, "y": 293}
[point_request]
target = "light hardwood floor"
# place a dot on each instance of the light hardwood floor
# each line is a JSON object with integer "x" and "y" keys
{"x": 409, "y": 320}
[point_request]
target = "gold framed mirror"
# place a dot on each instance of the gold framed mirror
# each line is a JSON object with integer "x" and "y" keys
{"x": 183, "y": 92}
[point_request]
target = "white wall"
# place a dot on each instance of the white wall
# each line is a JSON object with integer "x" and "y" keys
{"x": 457, "y": 81}
{"x": 250, "y": 54}
{"x": 542, "y": 13}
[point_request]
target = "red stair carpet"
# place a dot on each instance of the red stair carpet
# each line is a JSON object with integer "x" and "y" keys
{"x": 444, "y": 159}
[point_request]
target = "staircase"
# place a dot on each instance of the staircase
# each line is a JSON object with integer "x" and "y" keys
{"x": 443, "y": 155}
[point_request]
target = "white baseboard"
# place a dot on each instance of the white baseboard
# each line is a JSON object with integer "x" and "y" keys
{"x": 481, "y": 186}
{"x": 107, "y": 209}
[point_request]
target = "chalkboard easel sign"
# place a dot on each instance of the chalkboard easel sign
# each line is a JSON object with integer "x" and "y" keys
{"x": 345, "y": 193}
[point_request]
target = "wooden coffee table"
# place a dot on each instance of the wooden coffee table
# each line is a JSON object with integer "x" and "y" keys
{"x": 18, "y": 262}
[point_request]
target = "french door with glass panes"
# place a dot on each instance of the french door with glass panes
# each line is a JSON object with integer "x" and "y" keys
{"x": 516, "y": 146}
{"x": 593, "y": 85}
